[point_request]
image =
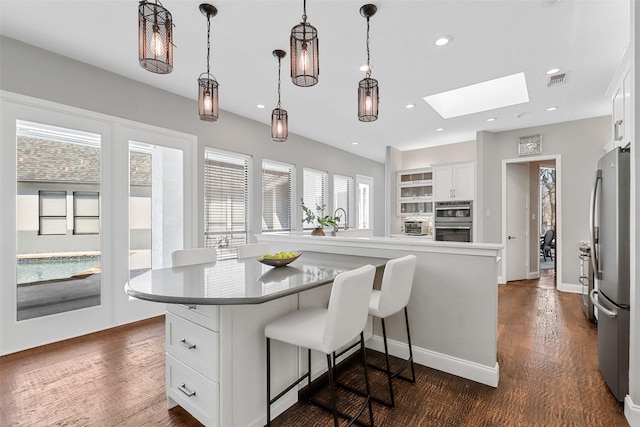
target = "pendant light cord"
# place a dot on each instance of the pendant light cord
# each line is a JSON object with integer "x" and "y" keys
{"x": 279, "y": 61}
{"x": 304, "y": 11}
{"x": 368, "y": 52}
{"x": 208, "y": 43}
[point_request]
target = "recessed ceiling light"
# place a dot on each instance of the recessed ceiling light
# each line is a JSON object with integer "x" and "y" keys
{"x": 552, "y": 108}
{"x": 260, "y": 106}
{"x": 354, "y": 143}
{"x": 439, "y": 129}
{"x": 409, "y": 106}
{"x": 485, "y": 96}
{"x": 443, "y": 41}
{"x": 491, "y": 119}
{"x": 364, "y": 67}
{"x": 553, "y": 71}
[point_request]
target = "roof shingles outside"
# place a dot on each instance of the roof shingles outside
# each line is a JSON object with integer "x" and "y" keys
{"x": 40, "y": 160}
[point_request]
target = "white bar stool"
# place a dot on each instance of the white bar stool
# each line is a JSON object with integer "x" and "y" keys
{"x": 251, "y": 250}
{"x": 325, "y": 330}
{"x": 392, "y": 297}
{"x": 183, "y": 257}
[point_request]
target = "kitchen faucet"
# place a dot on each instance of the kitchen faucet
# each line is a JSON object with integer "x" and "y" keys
{"x": 346, "y": 217}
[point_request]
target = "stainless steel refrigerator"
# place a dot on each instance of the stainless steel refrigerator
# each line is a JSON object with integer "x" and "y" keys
{"x": 609, "y": 218}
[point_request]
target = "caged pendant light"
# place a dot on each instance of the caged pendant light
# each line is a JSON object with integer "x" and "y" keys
{"x": 368, "y": 99}
{"x": 207, "y": 84}
{"x": 279, "y": 117}
{"x": 155, "y": 37}
{"x": 305, "y": 65}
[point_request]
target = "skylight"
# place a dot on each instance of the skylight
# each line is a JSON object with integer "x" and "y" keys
{"x": 485, "y": 96}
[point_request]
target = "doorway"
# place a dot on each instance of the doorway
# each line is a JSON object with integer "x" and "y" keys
{"x": 547, "y": 217}
{"x": 530, "y": 219}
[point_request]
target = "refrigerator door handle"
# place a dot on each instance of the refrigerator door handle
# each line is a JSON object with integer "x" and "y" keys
{"x": 602, "y": 308}
{"x": 592, "y": 226}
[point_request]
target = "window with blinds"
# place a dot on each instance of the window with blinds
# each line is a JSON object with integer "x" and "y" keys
{"x": 226, "y": 180}
{"x": 277, "y": 180}
{"x": 342, "y": 191}
{"x": 53, "y": 212}
{"x": 86, "y": 212}
{"x": 314, "y": 191}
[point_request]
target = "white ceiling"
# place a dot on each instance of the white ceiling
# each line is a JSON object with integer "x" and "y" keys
{"x": 491, "y": 39}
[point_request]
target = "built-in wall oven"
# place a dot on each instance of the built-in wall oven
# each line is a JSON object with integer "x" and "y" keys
{"x": 454, "y": 221}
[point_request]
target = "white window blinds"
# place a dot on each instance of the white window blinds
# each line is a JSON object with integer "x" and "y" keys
{"x": 53, "y": 212}
{"x": 277, "y": 180}
{"x": 315, "y": 190}
{"x": 86, "y": 212}
{"x": 226, "y": 177}
{"x": 342, "y": 191}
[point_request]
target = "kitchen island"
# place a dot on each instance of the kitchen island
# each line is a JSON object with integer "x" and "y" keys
{"x": 453, "y": 310}
{"x": 215, "y": 343}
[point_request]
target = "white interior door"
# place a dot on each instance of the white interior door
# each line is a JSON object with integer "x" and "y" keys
{"x": 517, "y": 234}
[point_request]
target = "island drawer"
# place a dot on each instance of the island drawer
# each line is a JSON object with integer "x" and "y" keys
{"x": 196, "y": 394}
{"x": 192, "y": 344}
{"x": 204, "y": 315}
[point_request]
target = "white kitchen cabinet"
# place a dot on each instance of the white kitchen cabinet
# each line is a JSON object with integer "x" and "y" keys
{"x": 620, "y": 92}
{"x": 415, "y": 192}
{"x": 215, "y": 361}
{"x": 455, "y": 181}
{"x": 192, "y": 361}
{"x": 621, "y": 113}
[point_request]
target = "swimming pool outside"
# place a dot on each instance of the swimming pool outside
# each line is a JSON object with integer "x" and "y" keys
{"x": 31, "y": 270}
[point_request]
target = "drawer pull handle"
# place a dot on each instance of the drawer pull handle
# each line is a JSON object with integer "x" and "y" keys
{"x": 183, "y": 388}
{"x": 189, "y": 306}
{"x": 186, "y": 344}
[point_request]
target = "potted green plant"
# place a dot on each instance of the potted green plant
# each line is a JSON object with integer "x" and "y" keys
{"x": 319, "y": 219}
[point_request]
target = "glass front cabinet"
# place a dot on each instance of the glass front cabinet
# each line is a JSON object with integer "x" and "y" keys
{"x": 415, "y": 192}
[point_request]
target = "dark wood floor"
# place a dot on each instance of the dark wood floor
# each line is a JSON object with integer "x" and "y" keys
{"x": 546, "y": 350}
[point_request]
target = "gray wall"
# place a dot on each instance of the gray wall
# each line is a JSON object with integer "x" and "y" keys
{"x": 41, "y": 74}
{"x": 580, "y": 144}
{"x": 450, "y": 153}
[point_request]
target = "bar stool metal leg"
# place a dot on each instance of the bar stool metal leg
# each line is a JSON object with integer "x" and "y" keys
{"x": 270, "y": 401}
{"x": 332, "y": 388}
{"x": 413, "y": 369}
{"x": 392, "y": 403}
{"x": 268, "y": 382}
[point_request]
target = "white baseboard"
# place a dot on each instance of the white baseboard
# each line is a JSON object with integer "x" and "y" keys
{"x": 533, "y": 275}
{"x": 489, "y": 375}
{"x": 631, "y": 412}
{"x": 570, "y": 287}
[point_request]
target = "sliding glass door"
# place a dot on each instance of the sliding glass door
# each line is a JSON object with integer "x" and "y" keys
{"x": 88, "y": 201}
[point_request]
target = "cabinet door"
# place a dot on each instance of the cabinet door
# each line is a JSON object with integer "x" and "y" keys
{"x": 626, "y": 121}
{"x": 463, "y": 181}
{"x": 618, "y": 116}
{"x": 442, "y": 183}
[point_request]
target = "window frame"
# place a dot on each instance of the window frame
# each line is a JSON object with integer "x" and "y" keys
{"x": 350, "y": 199}
{"x": 324, "y": 184}
{"x": 42, "y": 216}
{"x": 286, "y": 168}
{"x": 76, "y": 216}
{"x": 226, "y": 245}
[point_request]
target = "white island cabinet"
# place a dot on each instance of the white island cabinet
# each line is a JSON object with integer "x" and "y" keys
{"x": 192, "y": 360}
